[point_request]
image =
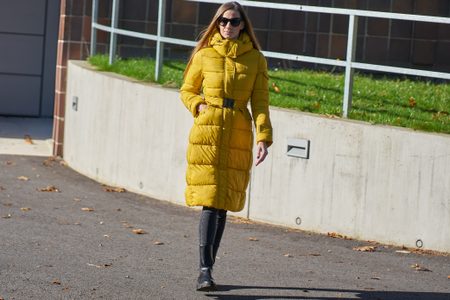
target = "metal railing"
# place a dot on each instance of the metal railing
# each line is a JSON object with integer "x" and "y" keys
{"x": 349, "y": 63}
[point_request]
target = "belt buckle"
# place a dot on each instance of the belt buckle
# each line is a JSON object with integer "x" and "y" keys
{"x": 227, "y": 102}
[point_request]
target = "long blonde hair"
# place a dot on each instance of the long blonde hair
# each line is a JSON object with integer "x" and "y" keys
{"x": 213, "y": 25}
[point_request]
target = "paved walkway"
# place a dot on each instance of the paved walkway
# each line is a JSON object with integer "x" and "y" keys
{"x": 26, "y": 136}
{"x": 64, "y": 236}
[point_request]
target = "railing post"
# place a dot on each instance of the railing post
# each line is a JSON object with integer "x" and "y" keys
{"x": 351, "y": 50}
{"x": 159, "y": 44}
{"x": 113, "y": 35}
{"x": 94, "y": 19}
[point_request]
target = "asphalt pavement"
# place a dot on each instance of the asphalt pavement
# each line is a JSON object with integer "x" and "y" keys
{"x": 65, "y": 236}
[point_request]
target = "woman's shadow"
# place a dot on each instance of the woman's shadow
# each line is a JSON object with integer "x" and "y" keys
{"x": 322, "y": 294}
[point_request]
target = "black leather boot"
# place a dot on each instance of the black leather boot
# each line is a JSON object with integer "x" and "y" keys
{"x": 205, "y": 282}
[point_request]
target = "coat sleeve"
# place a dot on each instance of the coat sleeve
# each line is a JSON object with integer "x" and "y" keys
{"x": 260, "y": 104}
{"x": 191, "y": 88}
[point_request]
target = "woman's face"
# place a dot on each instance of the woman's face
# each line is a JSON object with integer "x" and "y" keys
{"x": 230, "y": 24}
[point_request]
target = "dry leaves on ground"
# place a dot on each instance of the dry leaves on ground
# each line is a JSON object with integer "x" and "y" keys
{"x": 239, "y": 220}
{"x": 412, "y": 102}
{"x": 99, "y": 266}
{"x": 448, "y": 277}
{"x": 139, "y": 231}
{"x": 8, "y": 216}
{"x": 253, "y": 239}
{"x": 288, "y": 255}
{"x": 365, "y": 248}
{"x": 50, "y": 188}
{"x": 158, "y": 243}
{"x": 420, "y": 268}
{"x": 112, "y": 189}
{"x": 338, "y": 236}
{"x": 56, "y": 281}
{"x": 126, "y": 224}
{"x": 23, "y": 178}
{"x": 25, "y": 209}
{"x": 28, "y": 139}
{"x": 49, "y": 161}
{"x": 276, "y": 88}
{"x": 87, "y": 209}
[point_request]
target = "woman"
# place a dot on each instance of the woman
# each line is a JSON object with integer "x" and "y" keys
{"x": 225, "y": 71}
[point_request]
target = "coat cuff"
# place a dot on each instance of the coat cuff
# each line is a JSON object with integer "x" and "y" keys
{"x": 264, "y": 137}
{"x": 194, "y": 104}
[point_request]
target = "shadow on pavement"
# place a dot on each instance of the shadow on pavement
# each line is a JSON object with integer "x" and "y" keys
{"x": 351, "y": 294}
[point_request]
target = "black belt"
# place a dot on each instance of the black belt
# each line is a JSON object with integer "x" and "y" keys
{"x": 228, "y": 103}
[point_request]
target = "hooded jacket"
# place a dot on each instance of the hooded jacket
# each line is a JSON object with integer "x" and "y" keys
{"x": 219, "y": 153}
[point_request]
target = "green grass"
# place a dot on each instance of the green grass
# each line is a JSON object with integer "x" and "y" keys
{"x": 399, "y": 102}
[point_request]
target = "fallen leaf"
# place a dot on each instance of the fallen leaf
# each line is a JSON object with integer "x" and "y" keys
{"x": 9, "y": 163}
{"x": 139, "y": 231}
{"x": 288, "y": 255}
{"x": 365, "y": 248}
{"x": 420, "y": 268}
{"x": 7, "y": 204}
{"x": 158, "y": 243}
{"x": 87, "y": 209}
{"x": 375, "y": 278}
{"x": 56, "y": 281}
{"x": 76, "y": 199}
{"x": 25, "y": 209}
{"x": 338, "y": 236}
{"x": 314, "y": 254}
{"x": 49, "y": 161}
{"x": 8, "y": 216}
{"x": 126, "y": 225}
{"x": 253, "y": 239}
{"x": 50, "y": 188}
{"x": 275, "y": 87}
{"x": 240, "y": 220}
{"x": 412, "y": 102}
{"x": 99, "y": 266}
{"x": 403, "y": 251}
{"x": 448, "y": 277}
{"x": 28, "y": 139}
{"x": 112, "y": 189}
{"x": 23, "y": 178}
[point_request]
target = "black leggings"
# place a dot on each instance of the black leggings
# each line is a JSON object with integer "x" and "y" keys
{"x": 212, "y": 225}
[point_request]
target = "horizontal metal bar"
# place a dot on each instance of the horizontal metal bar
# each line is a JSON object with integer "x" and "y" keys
{"x": 309, "y": 59}
{"x": 338, "y": 11}
{"x": 144, "y": 36}
{"x": 406, "y": 71}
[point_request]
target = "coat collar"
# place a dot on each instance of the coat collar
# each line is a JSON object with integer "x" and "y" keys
{"x": 231, "y": 48}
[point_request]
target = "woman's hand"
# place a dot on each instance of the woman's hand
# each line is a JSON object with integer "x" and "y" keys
{"x": 261, "y": 152}
{"x": 201, "y": 107}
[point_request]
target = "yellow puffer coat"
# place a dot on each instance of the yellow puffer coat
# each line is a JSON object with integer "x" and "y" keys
{"x": 219, "y": 154}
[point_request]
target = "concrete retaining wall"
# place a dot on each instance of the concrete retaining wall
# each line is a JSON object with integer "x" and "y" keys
{"x": 368, "y": 182}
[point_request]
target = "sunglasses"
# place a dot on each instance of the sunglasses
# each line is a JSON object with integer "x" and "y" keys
{"x": 234, "y": 21}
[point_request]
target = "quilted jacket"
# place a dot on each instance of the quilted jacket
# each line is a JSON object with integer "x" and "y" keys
{"x": 219, "y": 153}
